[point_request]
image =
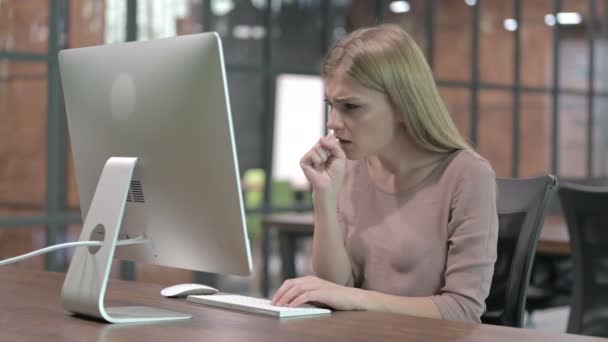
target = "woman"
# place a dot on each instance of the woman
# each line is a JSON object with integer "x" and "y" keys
{"x": 405, "y": 211}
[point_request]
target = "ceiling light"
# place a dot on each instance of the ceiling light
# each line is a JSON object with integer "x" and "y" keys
{"x": 510, "y": 24}
{"x": 564, "y": 18}
{"x": 221, "y": 7}
{"x": 399, "y": 6}
{"x": 569, "y": 18}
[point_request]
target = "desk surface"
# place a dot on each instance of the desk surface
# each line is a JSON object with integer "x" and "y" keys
{"x": 554, "y": 237}
{"x": 31, "y": 310}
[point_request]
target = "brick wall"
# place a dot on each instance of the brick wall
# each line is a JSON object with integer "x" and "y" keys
{"x": 23, "y": 101}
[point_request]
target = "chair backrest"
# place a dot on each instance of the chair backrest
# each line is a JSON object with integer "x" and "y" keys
{"x": 522, "y": 205}
{"x": 586, "y": 211}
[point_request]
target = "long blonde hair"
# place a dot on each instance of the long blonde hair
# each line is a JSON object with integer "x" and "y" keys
{"x": 385, "y": 58}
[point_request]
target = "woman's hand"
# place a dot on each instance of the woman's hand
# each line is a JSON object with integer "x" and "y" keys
{"x": 295, "y": 292}
{"x": 324, "y": 166}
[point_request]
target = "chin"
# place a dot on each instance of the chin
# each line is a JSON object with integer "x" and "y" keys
{"x": 353, "y": 156}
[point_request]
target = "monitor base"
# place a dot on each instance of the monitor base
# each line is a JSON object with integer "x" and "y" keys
{"x": 143, "y": 314}
{"x": 86, "y": 281}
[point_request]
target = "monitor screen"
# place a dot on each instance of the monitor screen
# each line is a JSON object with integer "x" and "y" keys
{"x": 164, "y": 102}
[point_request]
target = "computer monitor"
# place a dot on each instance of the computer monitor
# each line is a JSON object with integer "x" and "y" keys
{"x": 155, "y": 157}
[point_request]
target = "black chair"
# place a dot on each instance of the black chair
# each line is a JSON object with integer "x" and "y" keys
{"x": 550, "y": 283}
{"x": 522, "y": 205}
{"x": 552, "y": 275}
{"x": 586, "y": 211}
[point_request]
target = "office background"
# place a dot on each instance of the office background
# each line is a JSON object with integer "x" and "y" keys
{"x": 525, "y": 81}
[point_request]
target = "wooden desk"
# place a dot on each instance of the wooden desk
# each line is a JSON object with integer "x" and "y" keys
{"x": 31, "y": 311}
{"x": 554, "y": 240}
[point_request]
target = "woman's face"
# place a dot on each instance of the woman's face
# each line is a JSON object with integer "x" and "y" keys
{"x": 363, "y": 119}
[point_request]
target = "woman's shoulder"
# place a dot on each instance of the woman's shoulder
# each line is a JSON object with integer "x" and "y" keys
{"x": 469, "y": 164}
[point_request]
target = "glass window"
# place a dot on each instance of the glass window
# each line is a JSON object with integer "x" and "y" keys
{"x": 296, "y": 35}
{"x": 601, "y": 49}
{"x": 100, "y": 22}
{"x": 248, "y": 117}
{"x": 574, "y": 45}
{"x": 24, "y": 26}
{"x": 496, "y": 130}
{"x": 457, "y": 101}
{"x": 601, "y": 64}
{"x": 337, "y": 22}
{"x": 536, "y": 44}
{"x": 600, "y": 125}
{"x": 91, "y": 21}
{"x": 453, "y": 34}
{"x": 358, "y": 13}
{"x": 23, "y": 112}
{"x": 496, "y": 39}
{"x": 411, "y": 16}
{"x": 241, "y": 26}
{"x": 572, "y": 136}
{"x": 535, "y": 135}
{"x": 168, "y": 18}
{"x": 20, "y": 240}
{"x": 115, "y": 17}
{"x": 574, "y": 59}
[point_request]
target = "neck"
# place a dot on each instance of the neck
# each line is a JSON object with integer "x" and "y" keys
{"x": 401, "y": 157}
{"x": 402, "y": 166}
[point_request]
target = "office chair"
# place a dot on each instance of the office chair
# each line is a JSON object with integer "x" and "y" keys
{"x": 550, "y": 283}
{"x": 586, "y": 210}
{"x": 521, "y": 205}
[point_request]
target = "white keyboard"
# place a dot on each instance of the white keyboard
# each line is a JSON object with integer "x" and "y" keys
{"x": 255, "y": 305}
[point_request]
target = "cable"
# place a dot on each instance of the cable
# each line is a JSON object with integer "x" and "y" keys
{"x": 137, "y": 240}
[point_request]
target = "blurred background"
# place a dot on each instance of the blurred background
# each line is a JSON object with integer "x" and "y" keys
{"x": 525, "y": 81}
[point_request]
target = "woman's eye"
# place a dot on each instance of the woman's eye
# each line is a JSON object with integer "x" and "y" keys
{"x": 350, "y": 106}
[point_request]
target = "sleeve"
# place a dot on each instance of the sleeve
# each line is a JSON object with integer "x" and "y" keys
{"x": 471, "y": 246}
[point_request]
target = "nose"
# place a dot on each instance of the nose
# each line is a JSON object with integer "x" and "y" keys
{"x": 334, "y": 122}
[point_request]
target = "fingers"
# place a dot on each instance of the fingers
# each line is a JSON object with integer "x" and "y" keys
{"x": 322, "y": 153}
{"x": 315, "y": 158}
{"x": 330, "y": 143}
{"x": 281, "y": 292}
{"x": 318, "y": 157}
{"x": 326, "y": 148}
{"x": 303, "y": 299}
{"x": 308, "y": 170}
{"x": 294, "y": 291}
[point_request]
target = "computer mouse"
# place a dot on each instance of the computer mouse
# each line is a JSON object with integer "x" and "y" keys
{"x": 183, "y": 290}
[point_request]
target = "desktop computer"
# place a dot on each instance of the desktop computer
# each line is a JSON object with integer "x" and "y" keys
{"x": 153, "y": 145}
{"x": 157, "y": 171}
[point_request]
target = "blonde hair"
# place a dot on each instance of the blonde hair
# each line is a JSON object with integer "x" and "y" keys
{"x": 385, "y": 58}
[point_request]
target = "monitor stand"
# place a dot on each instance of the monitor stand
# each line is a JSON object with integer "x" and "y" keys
{"x": 87, "y": 278}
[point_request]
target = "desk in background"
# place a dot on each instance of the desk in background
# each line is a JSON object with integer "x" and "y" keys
{"x": 31, "y": 311}
{"x": 554, "y": 240}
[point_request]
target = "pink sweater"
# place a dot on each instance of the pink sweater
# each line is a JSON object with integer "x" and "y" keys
{"x": 438, "y": 240}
